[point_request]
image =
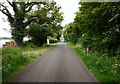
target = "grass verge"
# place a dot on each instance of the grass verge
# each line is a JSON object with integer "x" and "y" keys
{"x": 104, "y": 68}
{"x": 15, "y": 59}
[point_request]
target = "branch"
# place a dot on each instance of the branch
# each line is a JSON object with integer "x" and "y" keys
{"x": 29, "y": 8}
{"x": 114, "y": 17}
{"x": 28, "y": 22}
{"x": 6, "y": 11}
{"x": 32, "y": 18}
{"x": 31, "y": 4}
{"x": 9, "y": 2}
{"x": 14, "y": 6}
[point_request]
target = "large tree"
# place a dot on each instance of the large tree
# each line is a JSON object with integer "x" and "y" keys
{"x": 72, "y": 32}
{"x": 48, "y": 22}
{"x": 100, "y": 22}
{"x": 18, "y": 19}
{"x": 99, "y": 25}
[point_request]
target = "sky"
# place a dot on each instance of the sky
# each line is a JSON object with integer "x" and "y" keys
{"x": 69, "y": 8}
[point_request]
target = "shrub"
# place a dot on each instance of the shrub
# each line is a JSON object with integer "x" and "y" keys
{"x": 29, "y": 45}
{"x": 53, "y": 40}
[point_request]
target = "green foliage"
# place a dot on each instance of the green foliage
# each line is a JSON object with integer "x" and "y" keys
{"x": 19, "y": 20}
{"x": 29, "y": 45}
{"x": 53, "y": 40}
{"x": 72, "y": 32}
{"x": 24, "y": 15}
{"x": 15, "y": 59}
{"x": 12, "y": 59}
{"x": 56, "y": 35}
{"x": 97, "y": 25}
{"x": 39, "y": 33}
{"x": 46, "y": 24}
{"x": 104, "y": 68}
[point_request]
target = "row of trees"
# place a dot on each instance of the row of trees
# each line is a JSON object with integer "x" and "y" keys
{"x": 96, "y": 25}
{"x": 36, "y": 20}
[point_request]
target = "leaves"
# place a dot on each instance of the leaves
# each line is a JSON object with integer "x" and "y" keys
{"x": 25, "y": 13}
{"x": 47, "y": 23}
{"x": 99, "y": 25}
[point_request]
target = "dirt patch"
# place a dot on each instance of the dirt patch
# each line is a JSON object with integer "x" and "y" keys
{"x": 36, "y": 52}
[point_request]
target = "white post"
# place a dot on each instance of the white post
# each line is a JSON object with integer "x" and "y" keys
{"x": 48, "y": 37}
{"x": 48, "y": 41}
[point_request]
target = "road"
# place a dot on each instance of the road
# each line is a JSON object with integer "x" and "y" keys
{"x": 60, "y": 64}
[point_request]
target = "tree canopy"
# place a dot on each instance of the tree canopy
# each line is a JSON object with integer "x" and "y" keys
{"x": 47, "y": 23}
{"x": 97, "y": 25}
{"x": 24, "y": 13}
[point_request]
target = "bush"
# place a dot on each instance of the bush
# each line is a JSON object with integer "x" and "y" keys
{"x": 53, "y": 40}
{"x": 39, "y": 33}
{"x": 29, "y": 45}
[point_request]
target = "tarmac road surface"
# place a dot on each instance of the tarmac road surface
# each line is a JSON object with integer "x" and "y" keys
{"x": 60, "y": 64}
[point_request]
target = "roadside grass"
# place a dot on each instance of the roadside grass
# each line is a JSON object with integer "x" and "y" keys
{"x": 105, "y": 69}
{"x": 14, "y": 59}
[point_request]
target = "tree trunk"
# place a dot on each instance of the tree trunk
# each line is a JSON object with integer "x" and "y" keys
{"x": 19, "y": 41}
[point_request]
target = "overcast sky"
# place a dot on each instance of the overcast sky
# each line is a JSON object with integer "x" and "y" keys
{"x": 69, "y": 7}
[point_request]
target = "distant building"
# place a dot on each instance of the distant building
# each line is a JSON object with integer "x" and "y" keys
{"x": 6, "y": 41}
{"x": 62, "y": 38}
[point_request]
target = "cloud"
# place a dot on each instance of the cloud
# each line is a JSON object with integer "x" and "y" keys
{"x": 69, "y": 7}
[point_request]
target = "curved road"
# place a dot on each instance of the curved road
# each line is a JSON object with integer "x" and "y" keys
{"x": 60, "y": 64}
